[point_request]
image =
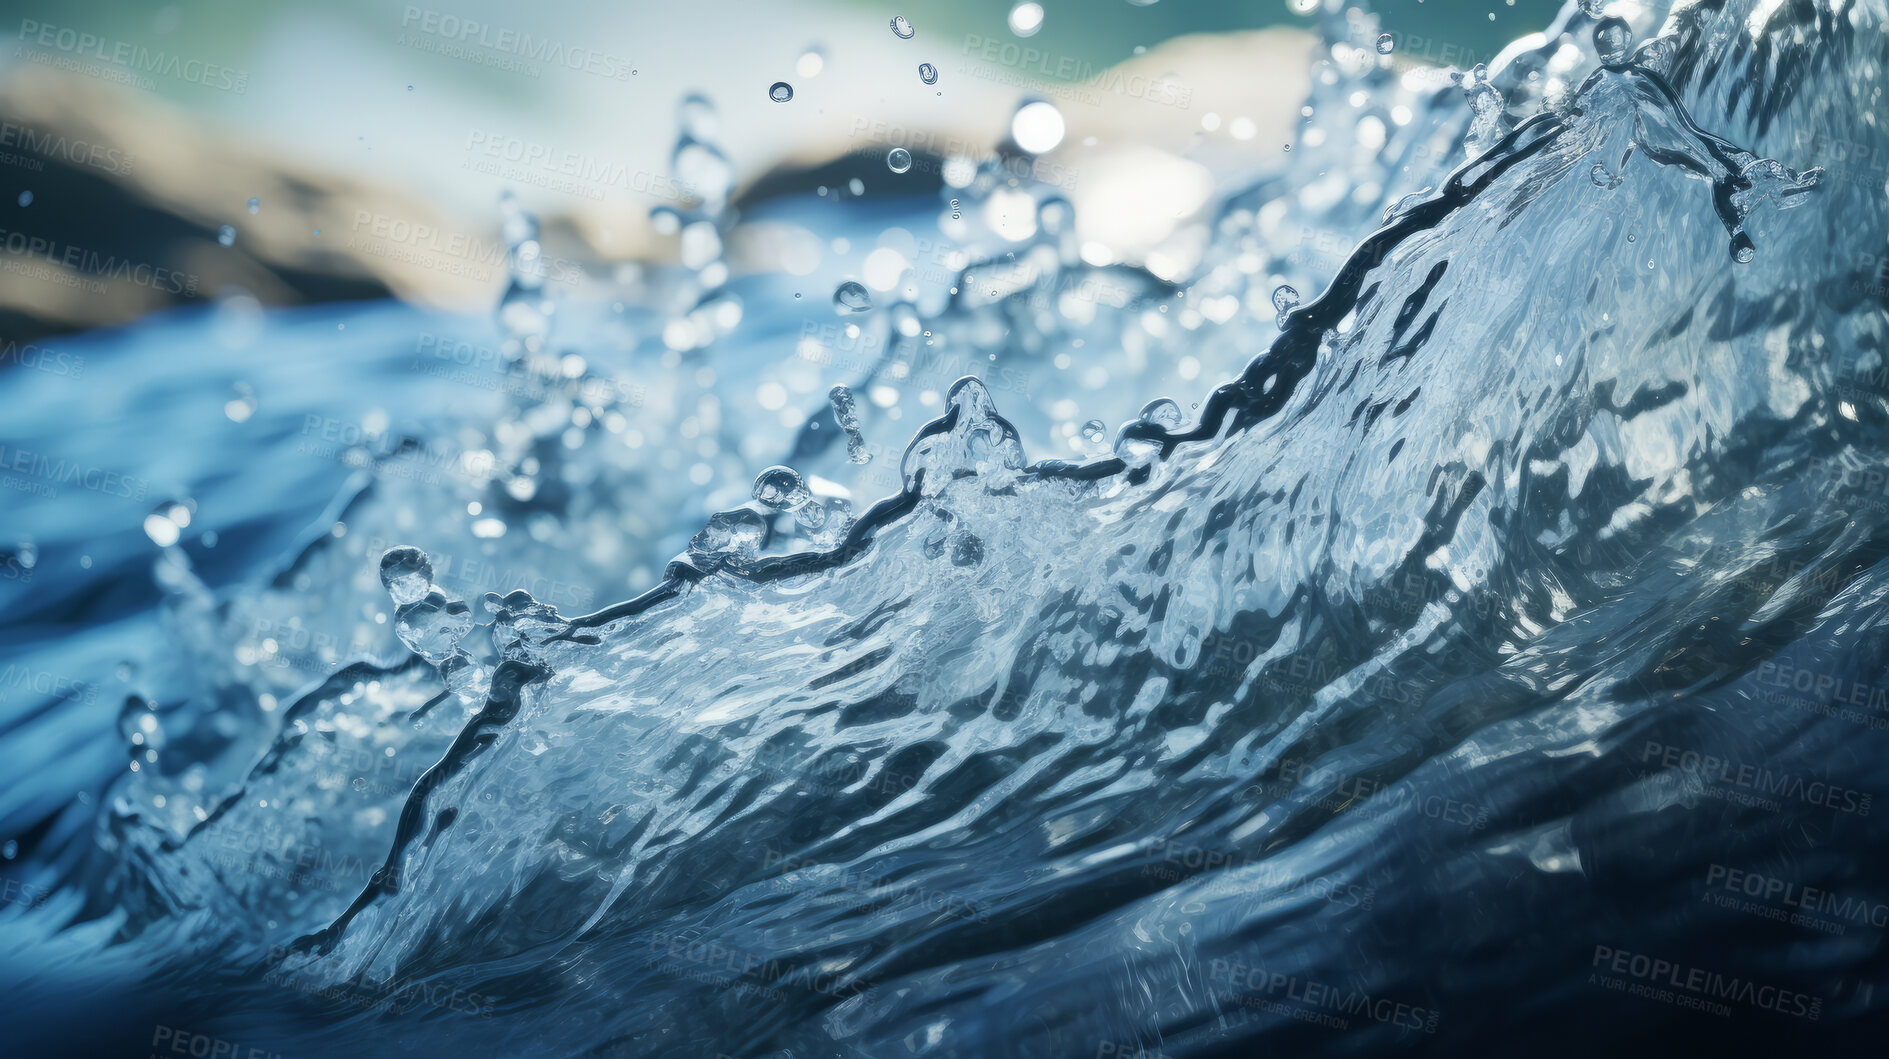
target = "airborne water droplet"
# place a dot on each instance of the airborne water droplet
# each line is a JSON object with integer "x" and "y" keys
{"x": 1385, "y": 44}
{"x": 255, "y": 205}
{"x": 1026, "y": 19}
{"x": 780, "y": 92}
{"x": 781, "y": 488}
{"x": 898, "y": 159}
{"x": 226, "y": 235}
{"x": 846, "y": 414}
{"x": 851, "y": 297}
{"x": 902, "y": 28}
{"x": 928, "y": 73}
{"x": 1094, "y": 432}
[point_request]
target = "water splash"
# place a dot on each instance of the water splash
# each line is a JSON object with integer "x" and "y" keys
{"x": 1452, "y": 538}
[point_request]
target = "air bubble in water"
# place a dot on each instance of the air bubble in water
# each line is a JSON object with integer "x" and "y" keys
{"x": 1612, "y": 39}
{"x": 898, "y": 159}
{"x": 851, "y": 297}
{"x": 928, "y": 73}
{"x": 255, "y": 205}
{"x": 1385, "y": 45}
{"x": 1284, "y": 300}
{"x": 781, "y": 489}
{"x": 846, "y": 414}
{"x": 407, "y": 574}
{"x": 902, "y": 28}
{"x": 780, "y": 92}
{"x": 226, "y": 235}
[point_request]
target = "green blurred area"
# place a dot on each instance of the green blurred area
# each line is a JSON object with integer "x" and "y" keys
{"x": 1090, "y": 33}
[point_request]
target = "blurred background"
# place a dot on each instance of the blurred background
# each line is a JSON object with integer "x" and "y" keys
{"x": 158, "y": 155}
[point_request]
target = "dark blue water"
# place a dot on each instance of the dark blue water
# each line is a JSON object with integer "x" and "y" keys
{"x": 1483, "y": 655}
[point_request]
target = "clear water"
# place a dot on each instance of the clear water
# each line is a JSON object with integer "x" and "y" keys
{"x": 1408, "y": 640}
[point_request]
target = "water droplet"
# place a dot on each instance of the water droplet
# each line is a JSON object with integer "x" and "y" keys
{"x": 902, "y": 28}
{"x": 407, "y": 574}
{"x": 1026, "y": 19}
{"x": 226, "y": 235}
{"x": 846, "y": 414}
{"x": 1284, "y": 300}
{"x": 1385, "y": 44}
{"x": 781, "y": 488}
{"x": 26, "y": 198}
{"x": 928, "y": 73}
{"x": 1162, "y": 412}
{"x": 851, "y": 297}
{"x": 1095, "y": 432}
{"x": 10, "y": 850}
{"x": 1037, "y": 126}
{"x": 780, "y": 92}
{"x": 1611, "y": 39}
{"x": 1593, "y": 8}
{"x": 255, "y": 205}
{"x": 899, "y": 160}
{"x": 162, "y": 526}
